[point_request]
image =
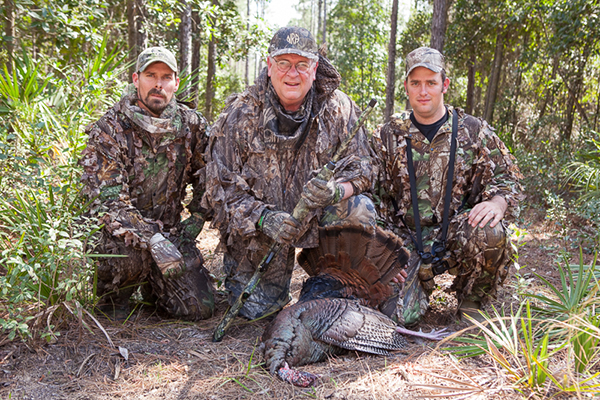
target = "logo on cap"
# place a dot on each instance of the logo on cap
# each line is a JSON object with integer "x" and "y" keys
{"x": 293, "y": 38}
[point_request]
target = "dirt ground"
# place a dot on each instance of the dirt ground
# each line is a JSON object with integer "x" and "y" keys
{"x": 153, "y": 357}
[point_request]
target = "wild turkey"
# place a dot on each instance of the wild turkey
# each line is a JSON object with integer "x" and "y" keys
{"x": 336, "y": 311}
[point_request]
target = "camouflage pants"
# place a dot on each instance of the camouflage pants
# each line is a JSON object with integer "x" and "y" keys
{"x": 188, "y": 296}
{"x": 272, "y": 292}
{"x": 479, "y": 260}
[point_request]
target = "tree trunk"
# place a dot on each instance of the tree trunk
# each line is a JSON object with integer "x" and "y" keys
{"x": 324, "y": 21}
{"x": 196, "y": 45}
{"x": 140, "y": 20}
{"x": 9, "y": 31}
{"x": 185, "y": 38}
{"x": 319, "y": 29}
{"x": 390, "y": 89}
{"x": 185, "y": 47}
{"x": 438, "y": 24}
{"x": 471, "y": 84}
{"x": 247, "y": 70}
{"x": 549, "y": 93}
{"x": 210, "y": 74}
{"x": 494, "y": 81}
{"x": 131, "y": 36}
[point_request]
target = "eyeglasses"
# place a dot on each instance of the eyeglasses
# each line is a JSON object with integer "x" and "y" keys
{"x": 284, "y": 66}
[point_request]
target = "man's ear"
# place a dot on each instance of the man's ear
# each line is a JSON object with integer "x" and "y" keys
{"x": 135, "y": 79}
{"x": 269, "y": 65}
{"x": 446, "y": 85}
{"x": 176, "y": 82}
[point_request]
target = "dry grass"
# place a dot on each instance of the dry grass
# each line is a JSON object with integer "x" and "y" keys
{"x": 169, "y": 359}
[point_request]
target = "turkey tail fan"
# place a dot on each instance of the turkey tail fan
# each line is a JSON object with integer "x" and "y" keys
{"x": 352, "y": 240}
{"x": 383, "y": 249}
{"x": 387, "y": 253}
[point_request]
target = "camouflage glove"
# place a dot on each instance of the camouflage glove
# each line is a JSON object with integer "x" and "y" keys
{"x": 319, "y": 193}
{"x": 191, "y": 227}
{"x": 167, "y": 257}
{"x": 279, "y": 226}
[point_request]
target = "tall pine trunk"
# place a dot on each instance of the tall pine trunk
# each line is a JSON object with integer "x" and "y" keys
{"x": 9, "y": 31}
{"x": 196, "y": 45}
{"x": 324, "y": 40}
{"x": 494, "y": 81}
{"x": 131, "y": 36}
{"x": 247, "y": 70}
{"x": 319, "y": 20}
{"x": 185, "y": 45}
{"x": 438, "y": 24}
{"x": 210, "y": 74}
{"x": 471, "y": 84}
{"x": 136, "y": 39}
{"x": 390, "y": 89}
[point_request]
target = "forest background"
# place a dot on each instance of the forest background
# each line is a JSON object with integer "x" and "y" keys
{"x": 530, "y": 68}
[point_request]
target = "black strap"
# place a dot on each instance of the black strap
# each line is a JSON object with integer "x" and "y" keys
{"x": 450, "y": 178}
{"x": 413, "y": 189}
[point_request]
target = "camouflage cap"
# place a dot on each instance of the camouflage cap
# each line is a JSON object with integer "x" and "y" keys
{"x": 156, "y": 54}
{"x": 425, "y": 57}
{"x": 294, "y": 40}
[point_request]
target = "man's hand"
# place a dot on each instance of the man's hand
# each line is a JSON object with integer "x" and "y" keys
{"x": 168, "y": 259}
{"x": 401, "y": 276}
{"x": 486, "y": 211}
{"x": 319, "y": 193}
{"x": 279, "y": 226}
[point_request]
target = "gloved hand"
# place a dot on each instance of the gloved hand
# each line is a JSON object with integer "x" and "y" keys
{"x": 167, "y": 257}
{"x": 319, "y": 193}
{"x": 279, "y": 226}
{"x": 191, "y": 227}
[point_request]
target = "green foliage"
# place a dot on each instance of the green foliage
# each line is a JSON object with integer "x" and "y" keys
{"x": 357, "y": 42}
{"x": 565, "y": 324}
{"x": 584, "y": 175}
{"x": 43, "y": 232}
{"x": 573, "y": 296}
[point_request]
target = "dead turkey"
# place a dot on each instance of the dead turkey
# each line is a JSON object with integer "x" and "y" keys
{"x": 336, "y": 311}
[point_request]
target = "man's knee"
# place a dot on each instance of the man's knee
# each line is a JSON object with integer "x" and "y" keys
{"x": 188, "y": 297}
{"x": 356, "y": 210}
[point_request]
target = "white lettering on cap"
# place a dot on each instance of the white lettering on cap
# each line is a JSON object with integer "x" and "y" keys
{"x": 293, "y": 38}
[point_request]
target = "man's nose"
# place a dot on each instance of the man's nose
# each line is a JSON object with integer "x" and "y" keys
{"x": 293, "y": 68}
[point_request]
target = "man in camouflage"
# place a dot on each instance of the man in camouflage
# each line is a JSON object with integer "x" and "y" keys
{"x": 266, "y": 148}
{"x": 141, "y": 156}
{"x": 485, "y": 190}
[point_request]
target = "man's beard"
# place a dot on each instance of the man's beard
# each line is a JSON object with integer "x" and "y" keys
{"x": 155, "y": 106}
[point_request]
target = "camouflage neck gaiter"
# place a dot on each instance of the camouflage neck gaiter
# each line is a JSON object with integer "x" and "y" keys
{"x": 169, "y": 121}
{"x": 282, "y": 127}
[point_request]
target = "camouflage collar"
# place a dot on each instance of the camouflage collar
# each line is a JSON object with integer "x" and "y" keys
{"x": 281, "y": 127}
{"x": 168, "y": 122}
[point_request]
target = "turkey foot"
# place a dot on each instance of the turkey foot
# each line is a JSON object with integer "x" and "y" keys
{"x": 297, "y": 377}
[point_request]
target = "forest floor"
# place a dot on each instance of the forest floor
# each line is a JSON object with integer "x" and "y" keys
{"x": 169, "y": 359}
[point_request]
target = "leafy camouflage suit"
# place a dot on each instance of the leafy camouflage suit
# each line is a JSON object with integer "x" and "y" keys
{"x": 138, "y": 167}
{"x": 256, "y": 166}
{"x": 484, "y": 168}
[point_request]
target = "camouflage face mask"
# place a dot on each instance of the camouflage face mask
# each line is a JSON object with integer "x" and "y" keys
{"x": 169, "y": 121}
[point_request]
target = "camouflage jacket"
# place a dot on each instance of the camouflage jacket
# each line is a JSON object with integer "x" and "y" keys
{"x": 483, "y": 169}
{"x": 137, "y": 167}
{"x": 252, "y": 169}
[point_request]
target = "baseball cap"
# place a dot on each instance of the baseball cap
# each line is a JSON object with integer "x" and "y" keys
{"x": 425, "y": 57}
{"x": 293, "y": 40}
{"x": 156, "y": 54}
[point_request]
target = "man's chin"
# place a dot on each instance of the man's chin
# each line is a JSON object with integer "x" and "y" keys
{"x": 157, "y": 107}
